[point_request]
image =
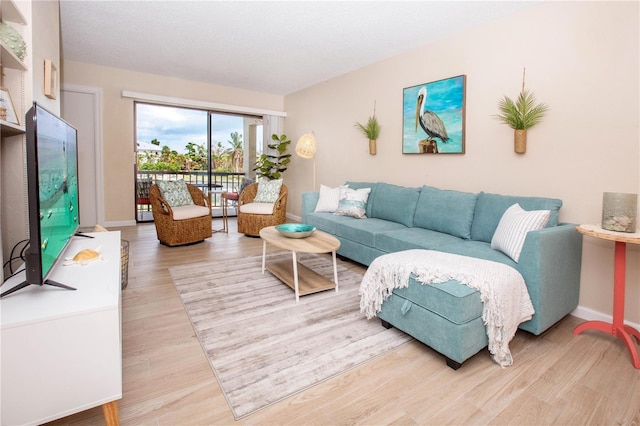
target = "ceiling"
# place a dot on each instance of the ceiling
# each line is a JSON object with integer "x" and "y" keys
{"x": 276, "y": 47}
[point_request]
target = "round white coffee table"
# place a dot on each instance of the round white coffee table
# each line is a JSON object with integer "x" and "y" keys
{"x": 297, "y": 276}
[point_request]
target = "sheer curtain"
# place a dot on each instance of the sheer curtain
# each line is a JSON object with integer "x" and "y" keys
{"x": 271, "y": 124}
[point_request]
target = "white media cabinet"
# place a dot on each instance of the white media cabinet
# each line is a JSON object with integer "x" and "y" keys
{"x": 61, "y": 350}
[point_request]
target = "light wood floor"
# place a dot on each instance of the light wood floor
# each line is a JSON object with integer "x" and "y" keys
{"x": 557, "y": 378}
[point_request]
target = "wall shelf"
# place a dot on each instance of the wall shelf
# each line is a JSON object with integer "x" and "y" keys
{"x": 9, "y": 12}
{"x": 10, "y": 60}
{"x": 10, "y": 129}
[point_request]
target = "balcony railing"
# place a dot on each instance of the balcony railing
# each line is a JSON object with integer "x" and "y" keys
{"x": 220, "y": 182}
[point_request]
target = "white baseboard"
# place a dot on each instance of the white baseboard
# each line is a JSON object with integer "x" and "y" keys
{"x": 294, "y": 217}
{"x": 591, "y": 315}
{"x": 119, "y": 224}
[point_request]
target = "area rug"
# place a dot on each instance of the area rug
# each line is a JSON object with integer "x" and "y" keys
{"x": 263, "y": 346}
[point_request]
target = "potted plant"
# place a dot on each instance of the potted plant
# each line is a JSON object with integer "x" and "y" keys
{"x": 371, "y": 131}
{"x": 272, "y": 165}
{"x": 521, "y": 115}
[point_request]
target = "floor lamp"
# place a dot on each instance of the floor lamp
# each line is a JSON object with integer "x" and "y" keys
{"x": 306, "y": 148}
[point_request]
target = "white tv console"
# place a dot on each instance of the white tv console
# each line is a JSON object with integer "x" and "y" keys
{"x": 61, "y": 350}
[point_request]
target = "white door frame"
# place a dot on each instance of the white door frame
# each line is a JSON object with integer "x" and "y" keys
{"x": 96, "y": 92}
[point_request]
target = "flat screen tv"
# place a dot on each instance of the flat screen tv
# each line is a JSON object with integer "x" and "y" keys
{"x": 52, "y": 181}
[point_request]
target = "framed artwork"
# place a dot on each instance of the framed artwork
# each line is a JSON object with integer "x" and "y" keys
{"x": 50, "y": 79}
{"x": 7, "y": 103}
{"x": 433, "y": 117}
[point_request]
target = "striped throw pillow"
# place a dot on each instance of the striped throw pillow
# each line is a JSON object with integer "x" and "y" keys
{"x": 513, "y": 227}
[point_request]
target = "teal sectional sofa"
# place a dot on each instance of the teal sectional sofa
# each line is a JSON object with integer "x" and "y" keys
{"x": 448, "y": 316}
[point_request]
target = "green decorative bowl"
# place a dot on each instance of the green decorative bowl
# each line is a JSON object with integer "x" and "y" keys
{"x": 295, "y": 230}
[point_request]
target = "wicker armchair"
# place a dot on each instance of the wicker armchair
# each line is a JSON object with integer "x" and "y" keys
{"x": 179, "y": 232}
{"x": 251, "y": 224}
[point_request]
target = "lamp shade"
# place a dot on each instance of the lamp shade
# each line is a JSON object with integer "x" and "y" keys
{"x": 306, "y": 146}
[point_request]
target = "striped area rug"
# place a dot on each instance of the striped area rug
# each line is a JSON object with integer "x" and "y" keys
{"x": 262, "y": 346}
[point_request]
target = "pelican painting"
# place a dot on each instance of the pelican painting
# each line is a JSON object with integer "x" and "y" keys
{"x": 430, "y": 123}
{"x": 438, "y": 108}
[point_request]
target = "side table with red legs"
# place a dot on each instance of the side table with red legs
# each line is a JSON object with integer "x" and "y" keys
{"x": 624, "y": 332}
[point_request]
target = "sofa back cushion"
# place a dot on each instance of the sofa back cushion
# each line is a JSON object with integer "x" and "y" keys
{"x": 445, "y": 211}
{"x": 491, "y": 207}
{"x": 395, "y": 203}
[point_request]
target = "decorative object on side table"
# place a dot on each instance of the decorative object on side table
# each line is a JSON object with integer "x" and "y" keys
{"x": 371, "y": 131}
{"x": 12, "y": 40}
{"x": 619, "y": 211}
{"x": 295, "y": 230}
{"x": 7, "y": 105}
{"x": 50, "y": 79}
{"x": 521, "y": 115}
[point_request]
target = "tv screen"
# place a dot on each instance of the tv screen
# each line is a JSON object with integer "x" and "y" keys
{"x": 52, "y": 176}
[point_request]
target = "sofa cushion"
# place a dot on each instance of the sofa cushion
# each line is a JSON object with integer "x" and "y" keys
{"x": 477, "y": 249}
{"x": 395, "y": 203}
{"x": 365, "y": 231}
{"x": 491, "y": 207}
{"x": 445, "y": 211}
{"x": 325, "y": 221}
{"x": 413, "y": 238}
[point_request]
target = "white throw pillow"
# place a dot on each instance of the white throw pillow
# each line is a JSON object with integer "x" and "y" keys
{"x": 513, "y": 227}
{"x": 268, "y": 191}
{"x": 329, "y": 199}
{"x": 353, "y": 202}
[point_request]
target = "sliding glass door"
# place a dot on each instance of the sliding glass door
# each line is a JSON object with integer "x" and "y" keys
{"x": 211, "y": 150}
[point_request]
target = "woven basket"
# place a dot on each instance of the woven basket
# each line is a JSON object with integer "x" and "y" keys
{"x": 124, "y": 263}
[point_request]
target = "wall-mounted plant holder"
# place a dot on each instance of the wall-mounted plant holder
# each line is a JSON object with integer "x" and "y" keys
{"x": 520, "y": 141}
{"x": 373, "y": 146}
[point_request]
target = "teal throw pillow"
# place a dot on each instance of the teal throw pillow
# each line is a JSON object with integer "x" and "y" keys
{"x": 175, "y": 193}
{"x": 268, "y": 191}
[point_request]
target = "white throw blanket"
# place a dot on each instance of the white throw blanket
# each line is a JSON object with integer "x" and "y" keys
{"x": 506, "y": 302}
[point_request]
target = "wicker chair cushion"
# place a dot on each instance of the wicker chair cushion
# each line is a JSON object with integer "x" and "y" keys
{"x": 175, "y": 192}
{"x": 189, "y": 212}
{"x": 257, "y": 208}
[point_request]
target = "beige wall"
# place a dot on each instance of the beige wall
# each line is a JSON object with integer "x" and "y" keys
{"x": 581, "y": 59}
{"x": 118, "y": 123}
{"x": 46, "y": 45}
